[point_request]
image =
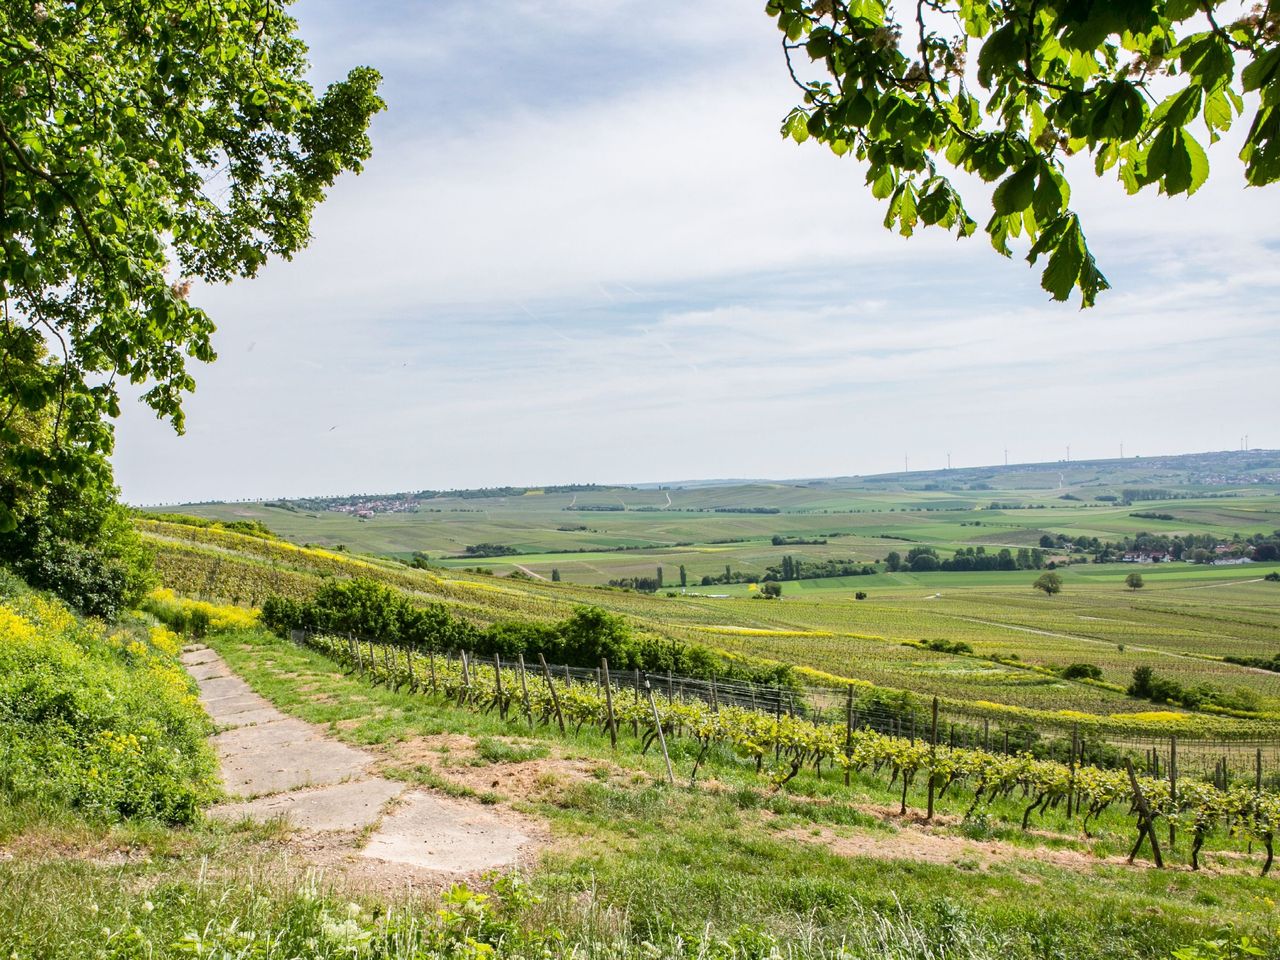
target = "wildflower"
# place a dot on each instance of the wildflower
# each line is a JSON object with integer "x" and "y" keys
{"x": 148, "y": 906}
{"x": 151, "y": 164}
{"x": 40, "y": 13}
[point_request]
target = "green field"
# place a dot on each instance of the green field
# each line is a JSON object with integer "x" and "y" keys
{"x": 1181, "y": 623}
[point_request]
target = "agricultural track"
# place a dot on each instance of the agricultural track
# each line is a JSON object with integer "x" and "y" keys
{"x": 278, "y": 767}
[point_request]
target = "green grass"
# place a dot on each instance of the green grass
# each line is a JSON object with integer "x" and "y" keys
{"x": 728, "y": 855}
{"x": 634, "y": 868}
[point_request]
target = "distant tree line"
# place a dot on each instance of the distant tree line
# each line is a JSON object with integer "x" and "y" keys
{"x": 793, "y": 569}
{"x": 927, "y": 560}
{"x": 1191, "y": 547}
{"x": 488, "y": 550}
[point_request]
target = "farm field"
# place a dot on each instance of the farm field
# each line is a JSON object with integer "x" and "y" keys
{"x": 594, "y": 534}
{"x": 1183, "y": 619}
{"x": 627, "y": 543}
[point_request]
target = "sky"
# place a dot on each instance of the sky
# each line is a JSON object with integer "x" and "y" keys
{"x": 582, "y": 252}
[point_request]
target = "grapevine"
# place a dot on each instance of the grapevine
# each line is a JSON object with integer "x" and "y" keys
{"x": 796, "y": 742}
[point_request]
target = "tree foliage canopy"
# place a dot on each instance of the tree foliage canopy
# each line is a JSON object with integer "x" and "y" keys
{"x": 1124, "y": 81}
{"x": 142, "y": 145}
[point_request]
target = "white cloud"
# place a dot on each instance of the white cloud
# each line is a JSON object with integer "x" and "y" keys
{"x": 638, "y": 279}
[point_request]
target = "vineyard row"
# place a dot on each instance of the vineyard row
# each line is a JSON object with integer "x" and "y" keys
{"x": 782, "y": 745}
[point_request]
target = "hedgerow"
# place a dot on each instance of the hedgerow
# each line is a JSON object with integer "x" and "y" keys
{"x": 366, "y": 608}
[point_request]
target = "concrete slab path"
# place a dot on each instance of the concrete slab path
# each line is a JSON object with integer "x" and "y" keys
{"x": 276, "y": 766}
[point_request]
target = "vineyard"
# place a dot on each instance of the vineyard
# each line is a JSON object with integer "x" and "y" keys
{"x": 782, "y": 745}
{"x": 814, "y": 636}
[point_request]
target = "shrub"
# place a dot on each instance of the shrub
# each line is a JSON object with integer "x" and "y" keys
{"x": 77, "y": 542}
{"x": 105, "y": 722}
{"x": 948, "y": 646}
{"x": 1082, "y": 671}
{"x": 195, "y": 617}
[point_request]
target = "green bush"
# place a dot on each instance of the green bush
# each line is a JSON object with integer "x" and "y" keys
{"x": 104, "y": 722}
{"x": 1082, "y": 671}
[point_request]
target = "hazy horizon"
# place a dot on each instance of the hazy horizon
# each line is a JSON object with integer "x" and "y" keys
{"x": 701, "y": 481}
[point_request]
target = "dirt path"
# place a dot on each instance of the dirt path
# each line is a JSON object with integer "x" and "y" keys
{"x": 278, "y": 767}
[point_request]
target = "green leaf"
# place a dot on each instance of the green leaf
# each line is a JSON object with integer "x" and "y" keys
{"x": 1059, "y": 277}
{"x": 1179, "y": 109}
{"x": 1199, "y": 162}
{"x": 1159, "y": 156}
{"x": 1014, "y": 193}
{"x": 796, "y": 126}
{"x": 1209, "y": 60}
{"x": 1261, "y": 152}
{"x": 819, "y": 44}
{"x": 883, "y": 184}
{"x": 1187, "y": 167}
{"x": 935, "y": 206}
{"x": 1002, "y": 49}
{"x": 1260, "y": 72}
{"x": 1051, "y": 195}
{"x": 1119, "y": 115}
{"x": 1217, "y": 114}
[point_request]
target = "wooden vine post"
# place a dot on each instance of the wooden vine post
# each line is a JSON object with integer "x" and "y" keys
{"x": 608, "y": 703}
{"x": 848, "y": 731}
{"x": 555, "y": 699}
{"x": 1071, "y": 770}
{"x": 498, "y": 698}
{"x": 777, "y": 719}
{"x": 933, "y": 750}
{"x": 1146, "y": 819}
{"x": 662, "y": 739}
{"x": 524, "y": 689}
{"x": 431, "y": 662}
{"x": 408, "y": 656}
{"x": 1173, "y": 787}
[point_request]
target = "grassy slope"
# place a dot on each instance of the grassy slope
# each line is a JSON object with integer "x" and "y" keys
{"x": 732, "y": 855}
